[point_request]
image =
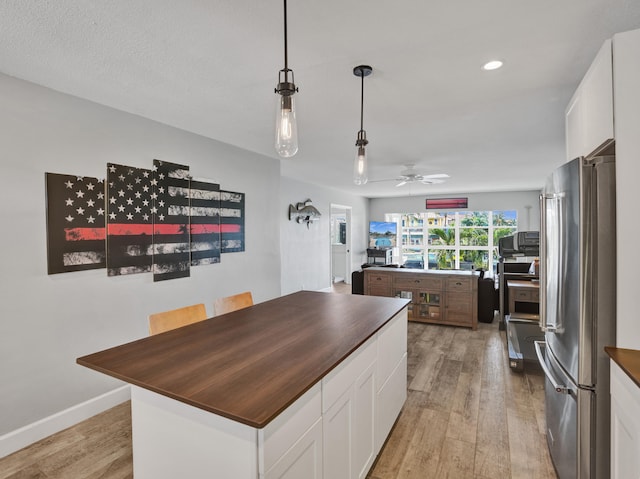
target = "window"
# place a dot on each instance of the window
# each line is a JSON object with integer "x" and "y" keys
{"x": 453, "y": 239}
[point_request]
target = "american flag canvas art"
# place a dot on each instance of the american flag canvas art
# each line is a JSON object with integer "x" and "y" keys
{"x": 138, "y": 221}
{"x": 232, "y": 221}
{"x": 129, "y": 219}
{"x": 205, "y": 222}
{"x": 171, "y": 235}
{"x": 75, "y": 223}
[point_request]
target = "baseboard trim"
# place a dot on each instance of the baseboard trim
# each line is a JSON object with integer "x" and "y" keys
{"x": 16, "y": 440}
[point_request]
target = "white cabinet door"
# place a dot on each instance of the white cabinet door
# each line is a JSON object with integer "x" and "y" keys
{"x": 574, "y": 127}
{"x": 589, "y": 116}
{"x": 303, "y": 460}
{"x": 625, "y": 426}
{"x": 349, "y": 430}
{"x": 391, "y": 379}
{"x": 597, "y": 97}
{"x": 389, "y": 402}
{"x": 284, "y": 438}
{"x": 363, "y": 443}
{"x": 392, "y": 345}
{"x": 337, "y": 431}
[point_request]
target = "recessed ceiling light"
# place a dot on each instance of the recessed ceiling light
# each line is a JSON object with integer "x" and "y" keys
{"x": 492, "y": 65}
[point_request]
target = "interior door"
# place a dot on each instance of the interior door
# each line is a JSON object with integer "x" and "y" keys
{"x": 340, "y": 239}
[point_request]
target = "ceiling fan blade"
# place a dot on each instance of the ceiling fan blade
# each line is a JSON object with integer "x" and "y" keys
{"x": 386, "y": 179}
{"x": 410, "y": 177}
{"x": 437, "y": 175}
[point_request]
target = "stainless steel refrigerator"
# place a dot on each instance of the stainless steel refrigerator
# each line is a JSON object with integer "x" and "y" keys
{"x": 578, "y": 293}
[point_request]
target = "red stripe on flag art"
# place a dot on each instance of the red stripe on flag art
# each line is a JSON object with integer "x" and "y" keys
{"x": 129, "y": 224}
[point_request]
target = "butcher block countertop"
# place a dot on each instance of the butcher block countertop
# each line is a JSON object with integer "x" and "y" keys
{"x": 628, "y": 360}
{"x": 250, "y": 365}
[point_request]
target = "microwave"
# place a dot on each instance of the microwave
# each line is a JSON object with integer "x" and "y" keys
{"x": 522, "y": 243}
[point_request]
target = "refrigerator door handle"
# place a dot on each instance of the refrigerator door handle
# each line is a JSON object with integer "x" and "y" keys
{"x": 548, "y": 271}
{"x": 556, "y": 385}
{"x": 543, "y": 267}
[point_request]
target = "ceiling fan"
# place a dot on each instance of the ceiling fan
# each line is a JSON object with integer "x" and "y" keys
{"x": 410, "y": 175}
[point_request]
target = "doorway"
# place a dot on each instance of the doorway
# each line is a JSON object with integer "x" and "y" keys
{"x": 340, "y": 244}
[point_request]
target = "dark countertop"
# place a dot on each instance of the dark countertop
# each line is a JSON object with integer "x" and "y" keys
{"x": 251, "y": 364}
{"x": 628, "y": 360}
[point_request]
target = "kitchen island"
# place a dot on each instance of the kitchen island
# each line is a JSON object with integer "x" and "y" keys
{"x": 306, "y": 385}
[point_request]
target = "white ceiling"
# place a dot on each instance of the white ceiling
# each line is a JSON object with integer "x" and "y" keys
{"x": 210, "y": 67}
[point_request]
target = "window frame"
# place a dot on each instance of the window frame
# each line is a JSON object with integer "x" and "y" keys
{"x": 410, "y": 225}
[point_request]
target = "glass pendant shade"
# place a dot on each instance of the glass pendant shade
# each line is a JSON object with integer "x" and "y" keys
{"x": 360, "y": 175}
{"x": 286, "y": 126}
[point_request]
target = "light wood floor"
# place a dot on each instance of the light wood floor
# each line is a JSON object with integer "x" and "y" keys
{"x": 467, "y": 416}
{"x": 341, "y": 287}
{"x": 99, "y": 447}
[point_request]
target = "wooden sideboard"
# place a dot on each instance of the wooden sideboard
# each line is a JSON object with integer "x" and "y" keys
{"x": 437, "y": 296}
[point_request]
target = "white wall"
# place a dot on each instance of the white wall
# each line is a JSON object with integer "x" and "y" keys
{"x": 626, "y": 91}
{"x": 525, "y": 202}
{"x": 46, "y": 322}
{"x": 306, "y": 252}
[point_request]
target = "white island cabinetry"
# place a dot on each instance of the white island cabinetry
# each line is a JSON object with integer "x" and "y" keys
{"x": 303, "y": 386}
{"x": 361, "y": 401}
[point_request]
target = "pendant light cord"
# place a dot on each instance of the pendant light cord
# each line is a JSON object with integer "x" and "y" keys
{"x": 286, "y": 61}
{"x": 361, "y": 98}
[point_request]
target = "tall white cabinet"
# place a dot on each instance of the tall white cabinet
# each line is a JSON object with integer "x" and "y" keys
{"x": 625, "y": 396}
{"x": 626, "y": 72}
{"x": 607, "y": 105}
{"x": 589, "y": 116}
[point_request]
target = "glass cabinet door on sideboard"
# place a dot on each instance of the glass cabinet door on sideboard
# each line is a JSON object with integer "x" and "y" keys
{"x": 425, "y": 293}
{"x": 428, "y": 306}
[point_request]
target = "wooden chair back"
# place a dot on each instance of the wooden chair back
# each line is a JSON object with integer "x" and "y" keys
{"x": 176, "y": 318}
{"x": 233, "y": 303}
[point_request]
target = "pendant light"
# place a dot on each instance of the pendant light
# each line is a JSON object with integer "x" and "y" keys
{"x": 286, "y": 127}
{"x": 360, "y": 163}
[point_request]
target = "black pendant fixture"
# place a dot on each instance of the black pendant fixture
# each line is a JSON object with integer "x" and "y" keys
{"x": 360, "y": 175}
{"x": 286, "y": 127}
